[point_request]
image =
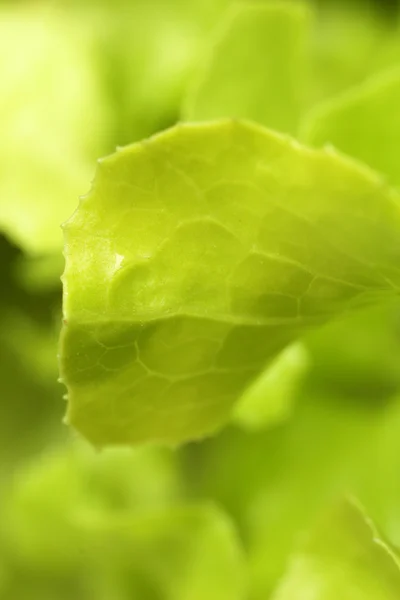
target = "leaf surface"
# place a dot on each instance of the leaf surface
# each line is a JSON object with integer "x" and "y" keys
{"x": 256, "y": 69}
{"x": 196, "y": 258}
{"x": 364, "y": 123}
{"x": 344, "y": 557}
{"x": 117, "y": 529}
{"x": 351, "y": 41}
{"x": 186, "y": 553}
{"x": 270, "y": 398}
{"x": 50, "y": 85}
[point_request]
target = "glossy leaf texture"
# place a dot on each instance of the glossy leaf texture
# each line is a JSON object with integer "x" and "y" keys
{"x": 196, "y": 258}
{"x": 257, "y": 68}
{"x": 364, "y": 123}
{"x": 344, "y": 557}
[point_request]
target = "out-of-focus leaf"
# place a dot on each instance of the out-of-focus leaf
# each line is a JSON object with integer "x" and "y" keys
{"x": 351, "y": 42}
{"x": 196, "y": 258}
{"x": 257, "y": 68}
{"x": 39, "y": 274}
{"x": 364, "y": 123}
{"x": 343, "y": 557}
{"x": 147, "y": 53}
{"x": 359, "y": 355}
{"x": 32, "y": 344}
{"x": 270, "y": 398}
{"x": 323, "y": 453}
{"x": 30, "y": 407}
{"x": 180, "y": 554}
{"x": 53, "y": 121}
{"x": 73, "y": 484}
{"x": 332, "y": 444}
{"x": 114, "y": 531}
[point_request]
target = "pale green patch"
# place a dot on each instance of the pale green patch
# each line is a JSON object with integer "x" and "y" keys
{"x": 364, "y": 123}
{"x": 256, "y": 68}
{"x": 70, "y": 487}
{"x": 196, "y": 258}
{"x": 344, "y": 557}
{"x": 269, "y": 400}
{"x": 30, "y": 408}
{"x": 38, "y": 274}
{"x": 188, "y": 553}
{"x": 116, "y": 528}
{"x": 351, "y": 41}
{"x": 53, "y": 123}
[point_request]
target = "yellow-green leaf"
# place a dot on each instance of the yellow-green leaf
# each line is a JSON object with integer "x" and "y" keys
{"x": 344, "y": 557}
{"x": 197, "y": 257}
{"x": 257, "y": 68}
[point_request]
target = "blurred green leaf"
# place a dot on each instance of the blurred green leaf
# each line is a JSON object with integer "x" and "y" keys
{"x": 287, "y": 474}
{"x": 114, "y": 531}
{"x": 359, "y": 355}
{"x": 269, "y": 399}
{"x": 343, "y": 557}
{"x": 351, "y": 42}
{"x": 30, "y": 407}
{"x": 147, "y": 52}
{"x": 331, "y": 445}
{"x": 182, "y": 554}
{"x": 53, "y": 119}
{"x": 257, "y": 68}
{"x": 67, "y": 486}
{"x": 363, "y": 123}
{"x": 38, "y": 274}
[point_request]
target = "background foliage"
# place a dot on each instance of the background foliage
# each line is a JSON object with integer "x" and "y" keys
{"x": 224, "y": 517}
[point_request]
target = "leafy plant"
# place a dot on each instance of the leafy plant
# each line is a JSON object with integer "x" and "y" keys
{"x": 230, "y": 300}
{"x": 237, "y": 241}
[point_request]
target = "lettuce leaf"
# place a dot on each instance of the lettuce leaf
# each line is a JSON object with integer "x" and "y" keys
{"x": 196, "y": 258}
{"x": 116, "y": 529}
{"x": 332, "y": 444}
{"x": 352, "y": 41}
{"x": 257, "y": 68}
{"x": 270, "y": 398}
{"x": 345, "y": 557}
{"x": 30, "y": 408}
{"x": 363, "y": 123}
{"x": 50, "y": 86}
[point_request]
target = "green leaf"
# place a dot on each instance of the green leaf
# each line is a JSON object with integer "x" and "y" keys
{"x": 270, "y": 398}
{"x": 30, "y": 409}
{"x": 366, "y": 365}
{"x": 38, "y": 274}
{"x": 344, "y": 557}
{"x": 146, "y": 53}
{"x": 363, "y": 123}
{"x": 351, "y": 41}
{"x": 116, "y": 530}
{"x": 188, "y": 553}
{"x": 70, "y": 486}
{"x": 50, "y": 86}
{"x": 330, "y": 445}
{"x": 257, "y": 68}
{"x": 197, "y": 257}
